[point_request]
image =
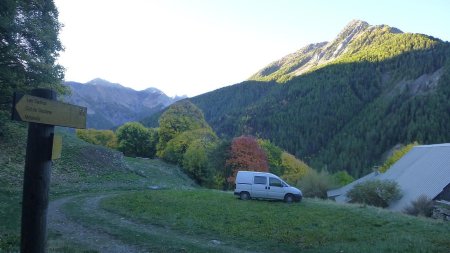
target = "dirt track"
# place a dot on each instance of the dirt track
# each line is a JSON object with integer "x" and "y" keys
{"x": 101, "y": 239}
{"x": 94, "y": 239}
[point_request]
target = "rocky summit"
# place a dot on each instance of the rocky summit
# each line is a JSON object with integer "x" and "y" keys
{"x": 317, "y": 54}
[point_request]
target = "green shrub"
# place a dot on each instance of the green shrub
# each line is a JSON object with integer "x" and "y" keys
{"x": 422, "y": 206}
{"x": 342, "y": 178}
{"x": 375, "y": 193}
{"x": 316, "y": 184}
{"x": 106, "y": 138}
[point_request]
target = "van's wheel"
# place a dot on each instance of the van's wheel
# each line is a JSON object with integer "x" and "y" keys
{"x": 288, "y": 198}
{"x": 245, "y": 196}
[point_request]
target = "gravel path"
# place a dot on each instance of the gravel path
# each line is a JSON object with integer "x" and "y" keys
{"x": 96, "y": 238}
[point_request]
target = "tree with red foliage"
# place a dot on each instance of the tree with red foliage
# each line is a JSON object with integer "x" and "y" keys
{"x": 246, "y": 154}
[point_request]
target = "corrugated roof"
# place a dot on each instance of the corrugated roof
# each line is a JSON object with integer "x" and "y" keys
{"x": 425, "y": 170}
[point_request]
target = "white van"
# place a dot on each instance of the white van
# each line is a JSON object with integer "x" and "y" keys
{"x": 251, "y": 184}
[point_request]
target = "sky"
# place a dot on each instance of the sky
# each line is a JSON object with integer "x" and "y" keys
{"x": 190, "y": 47}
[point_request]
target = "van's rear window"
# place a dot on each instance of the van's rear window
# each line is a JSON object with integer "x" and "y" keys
{"x": 260, "y": 180}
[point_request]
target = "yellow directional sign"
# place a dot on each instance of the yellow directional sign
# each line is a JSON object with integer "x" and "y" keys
{"x": 57, "y": 147}
{"x": 51, "y": 112}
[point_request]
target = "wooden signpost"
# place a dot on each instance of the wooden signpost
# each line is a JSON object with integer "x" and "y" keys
{"x": 43, "y": 112}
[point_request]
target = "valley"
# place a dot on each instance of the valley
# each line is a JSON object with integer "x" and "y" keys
{"x": 153, "y": 173}
{"x": 114, "y": 203}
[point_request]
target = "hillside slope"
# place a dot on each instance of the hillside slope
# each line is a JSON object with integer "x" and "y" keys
{"x": 83, "y": 167}
{"x": 373, "y": 88}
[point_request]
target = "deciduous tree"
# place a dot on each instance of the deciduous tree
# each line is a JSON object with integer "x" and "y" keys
{"x": 136, "y": 140}
{"x": 273, "y": 153}
{"x": 218, "y": 156}
{"x": 246, "y": 154}
{"x": 177, "y": 146}
{"x": 294, "y": 169}
{"x": 29, "y": 46}
{"x": 196, "y": 161}
{"x": 179, "y": 117}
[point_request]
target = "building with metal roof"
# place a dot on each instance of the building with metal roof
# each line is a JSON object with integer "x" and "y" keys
{"x": 425, "y": 170}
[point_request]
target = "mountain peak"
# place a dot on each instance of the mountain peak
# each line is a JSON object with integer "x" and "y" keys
{"x": 111, "y": 104}
{"x": 152, "y": 90}
{"x": 104, "y": 83}
{"x": 354, "y": 36}
{"x": 356, "y": 23}
{"x": 352, "y": 28}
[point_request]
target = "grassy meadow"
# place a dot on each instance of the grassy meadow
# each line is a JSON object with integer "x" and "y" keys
{"x": 270, "y": 226}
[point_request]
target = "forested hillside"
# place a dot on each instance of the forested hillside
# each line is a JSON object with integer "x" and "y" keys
{"x": 385, "y": 88}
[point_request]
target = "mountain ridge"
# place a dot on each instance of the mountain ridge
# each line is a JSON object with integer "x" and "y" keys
{"x": 112, "y": 104}
{"x": 385, "y": 88}
{"x": 316, "y": 54}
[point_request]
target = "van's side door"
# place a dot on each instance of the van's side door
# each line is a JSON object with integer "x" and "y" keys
{"x": 259, "y": 187}
{"x": 276, "y": 189}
